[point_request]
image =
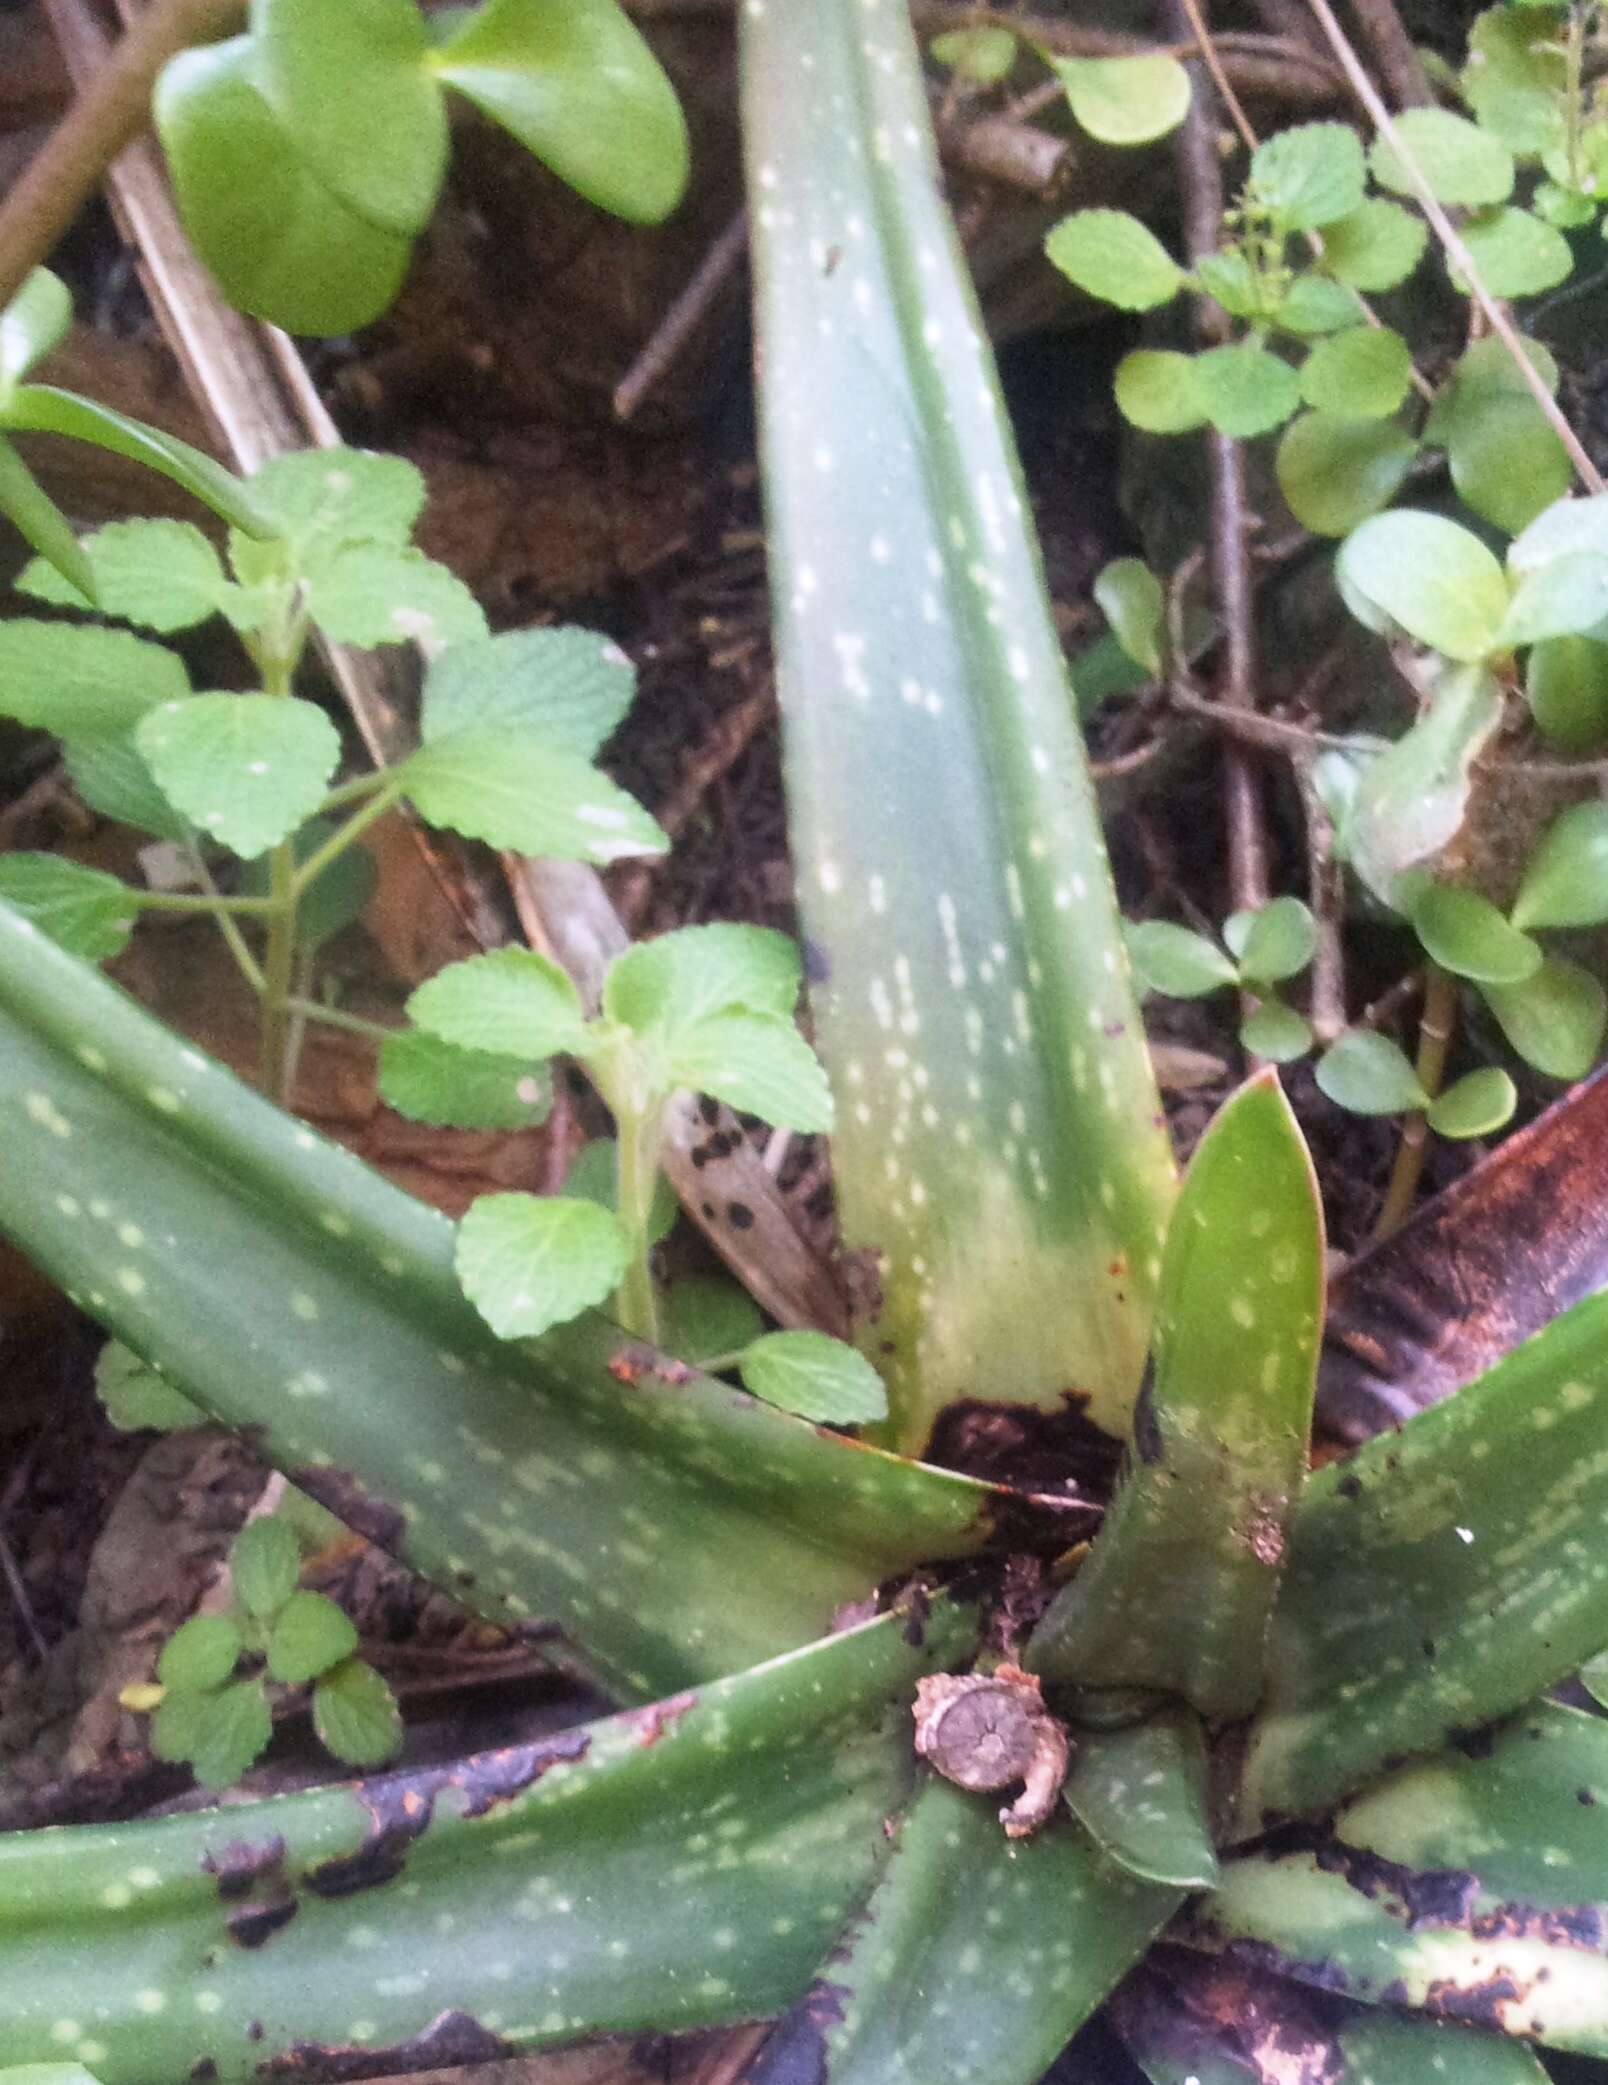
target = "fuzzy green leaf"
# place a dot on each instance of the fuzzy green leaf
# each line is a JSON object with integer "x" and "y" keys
{"x": 356, "y": 1715}
{"x": 1368, "y": 1074}
{"x": 1124, "y": 101}
{"x": 1311, "y": 175}
{"x": 429, "y": 1080}
{"x": 83, "y": 910}
{"x": 1363, "y": 373}
{"x": 756, "y": 1063}
{"x": 815, "y": 1376}
{"x": 310, "y": 1634}
{"x": 528, "y": 1262}
{"x": 676, "y": 980}
{"x": 1176, "y": 962}
{"x": 323, "y": 500}
{"x": 1130, "y": 597}
{"x": 1515, "y": 253}
{"x": 113, "y": 778}
{"x": 1476, "y": 1105}
{"x": 232, "y": 1729}
{"x": 704, "y": 1316}
{"x": 1335, "y": 472}
{"x": 1426, "y": 575}
{"x": 264, "y": 1565}
{"x": 1275, "y": 942}
{"x": 1410, "y": 801}
{"x": 1111, "y": 255}
{"x": 1313, "y": 305}
{"x": 1462, "y": 165}
{"x": 1141, "y": 1793}
{"x": 1376, "y": 247}
{"x": 594, "y": 1177}
{"x": 1555, "y": 1019}
{"x": 159, "y": 575}
{"x": 1506, "y": 461}
{"x": 568, "y": 688}
{"x": 984, "y": 56}
{"x": 1276, "y": 1031}
{"x": 1467, "y": 935}
{"x": 1159, "y": 391}
{"x": 1566, "y": 597}
{"x": 82, "y": 682}
{"x": 579, "y": 87}
{"x": 515, "y": 793}
{"x": 1566, "y": 686}
{"x": 134, "y": 1396}
{"x": 35, "y": 321}
{"x": 245, "y": 769}
{"x": 177, "y": 1726}
{"x": 1246, "y": 390}
{"x": 1516, "y": 78}
{"x": 200, "y": 1654}
{"x": 512, "y": 1003}
{"x": 349, "y": 81}
{"x": 1566, "y": 881}
{"x": 372, "y": 594}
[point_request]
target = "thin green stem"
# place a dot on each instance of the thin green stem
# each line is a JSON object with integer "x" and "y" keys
{"x": 234, "y": 940}
{"x": 1436, "y": 1026}
{"x": 353, "y": 792}
{"x": 182, "y": 901}
{"x": 279, "y": 970}
{"x": 319, "y": 860}
{"x": 337, "y": 1017}
{"x": 636, "y": 1158}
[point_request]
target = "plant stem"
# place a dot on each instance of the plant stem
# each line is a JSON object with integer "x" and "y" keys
{"x": 353, "y": 792}
{"x": 278, "y": 972}
{"x": 181, "y": 901}
{"x": 636, "y": 1160}
{"x": 1436, "y": 1024}
{"x": 111, "y": 111}
{"x": 319, "y": 860}
{"x": 337, "y": 1017}
{"x": 234, "y": 940}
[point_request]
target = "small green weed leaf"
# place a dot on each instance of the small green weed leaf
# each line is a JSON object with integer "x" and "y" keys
{"x": 232, "y": 1730}
{"x": 1463, "y": 166}
{"x": 1516, "y": 253}
{"x": 1565, "y": 598}
{"x": 348, "y": 80}
{"x": 322, "y": 500}
{"x": 1158, "y": 390}
{"x": 1311, "y": 175}
{"x": 356, "y": 1716}
{"x": 1175, "y": 961}
{"x": 135, "y": 1396}
{"x": 41, "y": 523}
{"x": 513, "y": 1003}
{"x": 567, "y": 687}
{"x": 200, "y": 1654}
{"x": 245, "y": 769}
{"x": 705, "y": 1316}
{"x": 1428, "y": 576}
{"x": 1410, "y": 800}
{"x": 595, "y": 1178}
{"x": 1506, "y": 462}
{"x": 1314, "y": 305}
{"x": 1246, "y": 390}
{"x": 983, "y": 56}
{"x": 1566, "y": 686}
{"x": 1230, "y": 280}
{"x": 1466, "y": 934}
{"x": 1130, "y": 597}
{"x": 1369, "y": 1074}
{"x": 1364, "y": 372}
{"x": 281, "y": 245}
{"x": 1141, "y": 1793}
{"x": 1515, "y": 79}
{"x": 1274, "y": 942}
{"x": 177, "y": 1726}
{"x": 815, "y": 1377}
{"x": 84, "y": 911}
{"x": 678, "y": 979}
{"x": 1376, "y": 247}
{"x": 34, "y": 322}
{"x": 1594, "y": 1678}
{"x": 1335, "y": 473}
{"x": 264, "y": 1565}
{"x": 578, "y": 86}
{"x": 1555, "y": 1019}
{"x": 158, "y": 575}
{"x": 1111, "y": 255}
{"x": 1566, "y": 881}
{"x": 429, "y": 1080}
{"x": 1276, "y": 1031}
{"x": 372, "y": 593}
{"x": 111, "y": 776}
{"x": 517, "y": 794}
{"x": 528, "y": 1262}
{"x": 1568, "y": 528}
{"x": 1562, "y": 206}
{"x": 1476, "y": 1105}
{"x": 1124, "y": 101}
{"x": 756, "y": 1063}
{"x": 1178, "y": 1590}
{"x": 80, "y": 682}
{"x": 310, "y": 1634}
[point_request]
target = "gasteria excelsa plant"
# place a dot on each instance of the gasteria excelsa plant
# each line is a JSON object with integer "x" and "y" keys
{"x": 1299, "y": 1717}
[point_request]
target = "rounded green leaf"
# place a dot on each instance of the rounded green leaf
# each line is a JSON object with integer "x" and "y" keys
{"x": 983, "y": 56}
{"x": 1476, "y": 1105}
{"x": 1130, "y": 596}
{"x": 349, "y": 82}
{"x": 1364, "y": 372}
{"x": 245, "y": 769}
{"x": 1376, "y": 247}
{"x": 1466, "y": 934}
{"x": 1368, "y": 1074}
{"x": 325, "y": 499}
{"x": 1274, "y": 942}
{"x": 281, "y": 245}
{"x": 1566, "y": 684}
{"x": 531, "y": 798}
{"x": 575, "y": 82}
{"x": 1158, "y": 391}
{"x": 1125, "y": 101}
{"x": 82, "y": 682}
{"x": 1111, "y": 255}
{"x": 1566, "y": 598}
{"x": 200, "y": 1654}
{"x": 1314, "y": 305}
{"x": 1334, "y": 473}
{"x": 1461, "y": 164}
{"x": 231, "y": 1733}
{"x": 1567, "y": 528}
{"x": 84, "y": 911}
{"x": 177, "y": 1726}
{"x": 429, "y": 1080}
{"x": 310, "y": 1635}
{"x": 675, "y": 979}
{"x": 1516, "y": 76}
{"x": 1246, "y": 390}
{"x": 594, "y": 1176}
{"x": 32, "y": 324}
{"x": 135, "y": 1397}
{"x": 110, "y": 776}
{"x": 567, "y": 687}
{"x": 512, "y": 1002}
{"x": 1310, "y": 175}
{"x": 707, "y": 1315}
{"x": 1516, "y": 254}
{"x": 264, "y": 1565}
{"x": 1427, "y": 576}
{"x": 816, "y": 1377}
{"x": 1507, "y": 463}
{"x": 356, "y": 1716}
{"x": 528, "y": 1262}
{"x": 1566, "y": 882}
{"x": 374, "y": 593}
{"x": 1176, "y": 962}
{"x": 757, "y": 1063}
{"x": 1277, "y": 1032}
{"x": 1554, "y": 1019}
{"x": 160, "y": 575}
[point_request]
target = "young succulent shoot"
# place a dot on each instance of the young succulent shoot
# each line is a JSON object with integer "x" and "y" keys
{"x": 1262, "y": 949}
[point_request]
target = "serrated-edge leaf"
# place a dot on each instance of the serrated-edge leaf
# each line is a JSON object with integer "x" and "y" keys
{"x": 757, "y": 1064}
{"x": 511, "y": 1002}
{"x": 816, "y": 1376}
{"x": 76, "y": 682}
{"x": 310, "y": 1634}
{"x": 429, "y": 1080}
{"x": 200, "y": 1654}
{"x": 232, "y": 1729}
{"x": 356, "y": 1714}
{"x": 245, "y": 769}
{"x": 264, "y": 1564}
{"x": 517, "y": 794}
{"x": 83, "y": 910}
{"x": 157, "y": 574}
{"x": 568, "y": 687}
{"x": 529, "y": 1262}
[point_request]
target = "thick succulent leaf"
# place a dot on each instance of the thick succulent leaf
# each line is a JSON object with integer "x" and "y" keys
{"x": 506, "y": 1901}
{"x": 1474, "y": 1886}
{"x": 1411, "y": 800}
{"x": 40, "y": 522}
{"x": 1177, "y": 1592}
{"x": 975, "y": 1958}
{"x": 583, "y": 1476}
{"x": 1441, "y": 1576}
{"x": 999, "y": 1143}
{"x": 1490, "y": 1260}
{"x": 1142, "y": 1793}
